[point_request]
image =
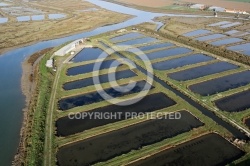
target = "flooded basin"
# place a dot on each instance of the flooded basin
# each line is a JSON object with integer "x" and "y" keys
{"x": 37, "y": 17}
{"x": 179, "y": 62}
{"x": 3, "y": 20}
{"x": 197, "y": 32}
{"x": 155, "y": 46}
{"x": 231, "y": 32}
{"x": 247, "y": 122}
{"x": 3, "y": 4}
{"x": 138, "y": 41}
{"x": 219, "y": 23}
{"x": 93, "y": 97}
{"x": 121, "y": 141}
{"x": 87, "y": 54}
{"x": 23, "y": 18}
{"x": 230, "y": 25}
{"x": 126, "y": 37}
{"x": 56, "y": 16}
{"x": 243, "y": 48}
{"x": 234, "y": 103}
{"x": 90, "y": 67}
{"x": 168, "y": 52}
{"x": 226, "y": 41}
{"x": 202, "y": 71}
{"x": 210, "y": 37}
{"x": 210, "y": 149}
{"x": 221, "y": 84}
{"x": 67, "y": 126}
{"x": 103, "y": 79}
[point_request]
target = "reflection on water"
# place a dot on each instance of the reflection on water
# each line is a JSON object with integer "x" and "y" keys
{"x": 23, "y": 18}
{"x": 56, "y": 16}
{"x": 3, "y": 20}
{"x": 37, "y": 17}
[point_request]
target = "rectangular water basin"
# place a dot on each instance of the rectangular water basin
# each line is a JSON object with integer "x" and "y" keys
{"x": 210, "y": 37}
{"x": 168, "y": 52}
{"x": 197, "y": 32}
{"x": 127, "y": 36}
{"x": 138, "y": 41}
{"x": 103, "y": 79}
{"x": 243, "y": 48}
{"x": 221, "y": 84}
{"x": 115, "y": 143}
{"x": 67, "y": 126}
{"x": 210, "y": 149}
{"x": 179, "y": 62}
{"x": 93, "y": 97}
{"x": 234, "y": 103}
{"x": 226, "y": 41}
{"x": 202, "y": 71}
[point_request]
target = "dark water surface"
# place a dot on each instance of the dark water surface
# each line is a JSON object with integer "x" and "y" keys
{"x": 221, "y": 84}
{"x": 202, "y": 71}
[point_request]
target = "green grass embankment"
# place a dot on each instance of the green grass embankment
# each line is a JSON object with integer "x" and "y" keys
{"x": 37, "y": 115}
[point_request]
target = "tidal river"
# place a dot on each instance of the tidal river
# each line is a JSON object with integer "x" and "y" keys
{"x": 12, "y": 101}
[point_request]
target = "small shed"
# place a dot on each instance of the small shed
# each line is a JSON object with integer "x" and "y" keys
{"x": 49, "y": 63}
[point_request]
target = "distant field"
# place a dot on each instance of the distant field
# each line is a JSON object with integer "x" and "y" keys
{"x": 230, "y": 4}
{"x": 247, "y": 1}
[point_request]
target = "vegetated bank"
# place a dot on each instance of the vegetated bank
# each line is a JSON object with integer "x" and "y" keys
{"x": 31, "y": 147}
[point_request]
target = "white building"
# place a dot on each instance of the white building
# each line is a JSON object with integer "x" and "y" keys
{"x": 49, "y": 63}
{"x": 66, "y": 49}
{"x": 217, "y": 9}
{"x": 197, "y": 6}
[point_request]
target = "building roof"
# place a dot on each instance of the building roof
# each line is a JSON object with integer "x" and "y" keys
{"x": 64, "y": 50}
